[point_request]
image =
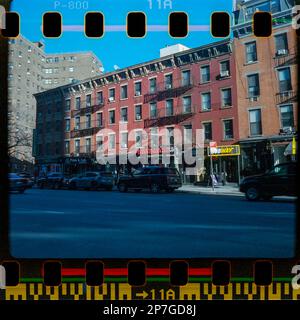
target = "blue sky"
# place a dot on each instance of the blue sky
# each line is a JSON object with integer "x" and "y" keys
{"x": 115, "y": 48}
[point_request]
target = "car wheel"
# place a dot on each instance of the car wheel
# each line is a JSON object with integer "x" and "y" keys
{"x": 155, "y": 188}
{"x": 72, "y": 185}
{"x": 267, "y": 198}
{"x": 122, "y": 187}
{"x": 252, "y": 194}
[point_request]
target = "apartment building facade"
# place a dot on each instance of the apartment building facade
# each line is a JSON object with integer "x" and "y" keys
{"x": 189, "y": 90}
{"x": 266, "y": 84}
{"x": 31, "y": 70}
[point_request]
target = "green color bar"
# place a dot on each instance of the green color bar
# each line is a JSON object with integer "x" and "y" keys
{"x": 152, "y": 279}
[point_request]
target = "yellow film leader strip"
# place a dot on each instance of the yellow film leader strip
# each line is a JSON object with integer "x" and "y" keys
{"x": 123, "y": 291}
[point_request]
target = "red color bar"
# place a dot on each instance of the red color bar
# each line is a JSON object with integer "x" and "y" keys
{"x": 67, "y": 272}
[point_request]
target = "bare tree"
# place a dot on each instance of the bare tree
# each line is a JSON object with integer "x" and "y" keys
{"x": 18, "y": 141}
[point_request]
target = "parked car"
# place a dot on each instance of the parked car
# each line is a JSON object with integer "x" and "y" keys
{"x": 28, "y": 177}
{"x": 52, "y": 180}
{"x": 279, "y": 181}
{"x": 154, "y": 178}
{"x": 17, "y": 183}
{"x": 92, "y": 180}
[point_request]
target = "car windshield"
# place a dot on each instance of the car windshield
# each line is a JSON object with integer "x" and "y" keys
{"x": 279, "y": 170}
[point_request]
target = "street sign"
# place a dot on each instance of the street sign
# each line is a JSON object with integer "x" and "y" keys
{"x": 222, "y": 151}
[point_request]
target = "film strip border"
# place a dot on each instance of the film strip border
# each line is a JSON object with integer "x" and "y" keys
{"x": 136, "y": 24}
{"x": 54, "y": 280}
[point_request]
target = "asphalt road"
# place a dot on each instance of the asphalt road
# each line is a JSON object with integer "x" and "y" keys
{"x": 102, "y": 224}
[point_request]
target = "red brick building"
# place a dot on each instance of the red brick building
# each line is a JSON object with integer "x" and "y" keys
{"x": 193, "y": 89}
{"x": 267, "y": 85}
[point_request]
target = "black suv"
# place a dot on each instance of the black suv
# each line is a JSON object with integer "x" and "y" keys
{"x": 279, "y": 181}
{"x": 153, "y": 177}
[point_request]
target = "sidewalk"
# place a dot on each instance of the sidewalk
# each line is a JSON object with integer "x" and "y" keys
{"x": 227, "y": 190}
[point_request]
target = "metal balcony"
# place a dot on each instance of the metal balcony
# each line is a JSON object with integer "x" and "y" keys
{"x": 179, "y": 115}
{"x": 166, "y": 91}
{"x": 86, "y": 129}
{"x": 87, "y": 109}
{"x": 286, "y": 97}
{"x": 284, "y": 58}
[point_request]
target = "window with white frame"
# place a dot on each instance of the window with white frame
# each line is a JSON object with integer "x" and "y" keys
{"x": 112, "y": 141}
{"x": 284, "y": 76}
{"x": 77, "y": 123}
{"x": 88, "y": 100}
{"x": 138, "y": 138}
{"x": 186, "y": 78}
{"x": 152, "y": 84}
{"x": 77, "y": 146}
{"x": 124, "y": 140}
{"x": 187, "y": 104}
{"x": 138, "y": 112}
{"x": 124, "y": 114}
{"x": 287, "y": 116}
{"x": 206, "y": 101}
{"x": 88, "y": 145}
{"x": 169, "y": 81}
{"x": 112, "y": 94}
{"x": 251, "y": 52}
{"x": 169, "y": 107}
{"x": 255, "y": 122}
{"x": 205, "y": 74}
{"x": 99, "y": 119}
{"x": 124, "y": 93}
{"x": 138, "y": 88}
{"x": 153, "y": 110}
{"x": 207, "y": 127}
{"x": 228, "y": 129}
{"x": 112, "y": 118}
{"x": 226, "y": 97}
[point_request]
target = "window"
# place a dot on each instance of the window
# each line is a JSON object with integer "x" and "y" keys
{"x": 207, "y": 127}
{"x": 77, "y": 146}
{"x": 124, "y": 92}
{"x": 138, "y": 139}
{"x": 225, "y": 69}
{"x": 226, "y": 97}
{"x": 284, "y": 76}
{"x": 99, "y": 119}
{"x": 228, "y": 129}
{"x": 100, "y": 97}
{"x": 111, "y": 141}
{"x": 20, "y": 54}
{"x": 186, "y": 78}
{"x": 67, "y": 147}
{"x": 253, "y": 85}
{"x": 71, "y": 69}
{"x": 153, "y": 110}
{"x": 28, "y": 60}
{"x": 77, "y": 103}
{"x": 88, "y": 121}
{"x": 206, "y": 101}
{"x": 124, "y": 140}
{"x": 251, "y": 52}
{"x": 124, "y": 115}
{"x": 112, "y": 119}
{"x": 205, "y": 74}
{"x": 187, "y": 104}
{"x": 138, "y": 89}
{"x": 88, "y": 100}
{"x": 138, "y": 112}
{"x": 154, "y": 138}
{"x": 112, "y": 94}
{"x": 281, "y": 44}
{"x": 287, "y": 116}
{"x": 187, "y": 134}
{"x": 77, "y": 123}
{"x": 169, "y": 81}
{"x": 170, "y": 137}
{"x": 169, "y": 107}
{"x": 88, "y": 145}
{"x": 67, "y": 124}
{"x": 255, "y": 122}
{"x": 152, "y": 83}
{"x": 99, "y": 141}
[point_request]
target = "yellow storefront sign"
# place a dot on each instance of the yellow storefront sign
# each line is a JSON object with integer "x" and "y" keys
{"x": 221, "y": 151}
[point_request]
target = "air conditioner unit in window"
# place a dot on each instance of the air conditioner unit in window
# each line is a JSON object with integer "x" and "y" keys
{"x": 168, "y": 86}
{"x": 138, "y": 117}
{"x": 252, "y": 99}
{"x": 225, "y": 73}
{"x": 111, "y": 99}
{"x": 138, "y": 93}
{"x": 282, "y": 52}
